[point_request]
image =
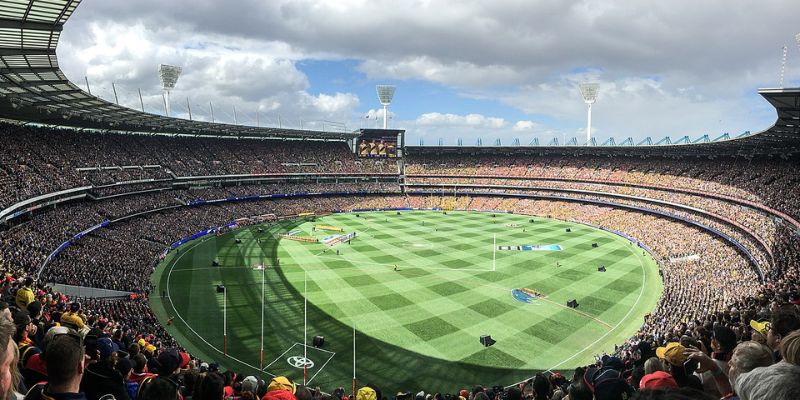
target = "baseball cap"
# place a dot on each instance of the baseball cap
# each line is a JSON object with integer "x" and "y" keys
{"x": 250, "y": 384}
{"x": 168, "y": 361}
{"x": 658, "y": 380}
{"x": 760, "y": 327}
{"x": 672, "y": 352}
{"x": 106, "y": 347}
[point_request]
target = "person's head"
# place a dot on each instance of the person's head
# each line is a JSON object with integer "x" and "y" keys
{"x": 790, "y": 348}
{"x": 746, "y": 357}
{"x": 124, "y": 366}
{"x": 28, "y": 281}
{"x": 759, "y": 333}
{"x": 513, "y": 393}
{"x": 579, "y": 391}
{"x": 5, "y": 311}
{"x": 107, "y": 350}
{"x": 723, "y": 339}
{"x": 782, "y": 323}
{"x": 139, "y": 362}
{"x": 65, "y": 360}
{"x": 672, "y": 394}
{"x": 303, "y": 393}
{"x": 776, "y": 382}
{"x": 9, "y": 354}
{"x": 161, "y": 389}
{"x": 653, "y": 364}
{"x": 541, "y": 386}
{"x": 209, "y": 387}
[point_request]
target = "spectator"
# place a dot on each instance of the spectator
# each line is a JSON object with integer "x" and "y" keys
{"x": 211, "y": 386}
{"x": 673, "y": 355}
{"x": 25, "y": 294}
{"x": 65, "y": 368}
{"x": 779, "y": 381}
{"x": 102, "y": 377}
{"x": 9, "y": 355}
{"x": 746, "y": 357}
{"x": 281, "y": 388}
{"x": 790, "y": 348}
{"x": 782, "y": 323}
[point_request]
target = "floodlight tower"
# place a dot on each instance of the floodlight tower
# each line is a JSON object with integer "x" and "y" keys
{"x": 168, "y": 74}
{"x": 385, "y": 94}
{"x": 589, "y": 93}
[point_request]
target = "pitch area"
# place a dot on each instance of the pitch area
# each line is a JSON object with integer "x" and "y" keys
{"x": 421, "y": 287}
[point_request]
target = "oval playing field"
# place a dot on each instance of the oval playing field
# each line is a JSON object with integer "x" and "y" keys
{"x": 421, "y": 287}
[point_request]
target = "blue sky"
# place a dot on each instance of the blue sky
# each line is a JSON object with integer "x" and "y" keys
{"x": 463, "y": 69}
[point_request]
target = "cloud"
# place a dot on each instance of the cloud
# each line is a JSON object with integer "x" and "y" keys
{"x": 521, "y": 126}
{"x": 453, "y": 120}
{"x": 259, "y": 79}
{"x": 662, "y": 70}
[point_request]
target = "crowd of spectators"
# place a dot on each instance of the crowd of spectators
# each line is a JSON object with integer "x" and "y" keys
{"x": 711, "y": 321}
{"x": 38, "y": 160}
{"x": 772, "y": 182}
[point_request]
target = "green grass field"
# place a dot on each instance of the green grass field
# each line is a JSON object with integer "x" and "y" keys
{"x": 419, "y": 326}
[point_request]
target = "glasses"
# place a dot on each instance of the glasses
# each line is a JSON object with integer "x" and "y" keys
{"x": 71, "y": 334}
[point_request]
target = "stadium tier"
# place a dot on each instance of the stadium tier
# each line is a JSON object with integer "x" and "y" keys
{"x": 186, "y": 255}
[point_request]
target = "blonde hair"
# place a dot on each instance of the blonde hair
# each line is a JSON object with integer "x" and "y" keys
{"x": 7, "y": 330}
{"x": 790, "y": 347}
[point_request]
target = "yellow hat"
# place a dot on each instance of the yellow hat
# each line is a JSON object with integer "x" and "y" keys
{"x": 142, "y": 343}
{"x": 673, "y": 353}
{"x": 150, "y": 348}
{"x": 366, "y": 393}
{"x": 280, "y": 383}
{"x": 760, "y": 327}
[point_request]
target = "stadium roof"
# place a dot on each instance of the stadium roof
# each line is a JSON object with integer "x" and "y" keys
{"x": 34, "y": 89}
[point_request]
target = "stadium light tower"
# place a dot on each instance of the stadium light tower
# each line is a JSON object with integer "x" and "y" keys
{"x": 589, "y": 93}
{"x": 385, "y": 94}
{"x": 168, "y": 74}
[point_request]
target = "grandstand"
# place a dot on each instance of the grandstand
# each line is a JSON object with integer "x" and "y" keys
{"x": 98, "y": 201}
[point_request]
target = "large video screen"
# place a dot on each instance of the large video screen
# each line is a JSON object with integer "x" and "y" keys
{"x": 377, "y": 144}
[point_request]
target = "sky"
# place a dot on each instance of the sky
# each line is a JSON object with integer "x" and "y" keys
{"x": 464, "y": 70}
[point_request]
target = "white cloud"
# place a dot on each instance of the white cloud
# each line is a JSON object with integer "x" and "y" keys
{"x": 336, "y": 104}
{"x": 454, "y": 120}
{"x": 524, "y": 126}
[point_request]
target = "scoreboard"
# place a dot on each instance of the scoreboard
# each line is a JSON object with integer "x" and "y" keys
{"x": 379, "y": 143}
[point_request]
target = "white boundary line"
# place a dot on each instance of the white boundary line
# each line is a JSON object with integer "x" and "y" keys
{"x": 279, "y": 357}
{"x": 169, "y": 298}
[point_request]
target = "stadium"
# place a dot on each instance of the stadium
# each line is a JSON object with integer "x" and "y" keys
{"x": 149, "y": 256}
